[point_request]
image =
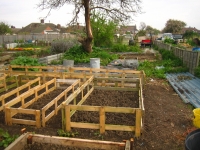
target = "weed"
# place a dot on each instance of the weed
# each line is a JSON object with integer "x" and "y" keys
{"x": 98, "y": 135}
{"x": 6, "y": 138}
{"x": 66, "y": 134}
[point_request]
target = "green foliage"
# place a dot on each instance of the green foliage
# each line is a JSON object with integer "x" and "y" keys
{"x": 4, "y": 28}
{"x": 191, "y": 42}
{"x": 24, "y": 53}
{"x": 6, "y": 138}
{"x": 26, "y": 61}
{"x": 27, "y": 45}
{"x": 189, "y": 34}
{"x": 125, "y": 48}
{"x": 174, "y": 26}
{"x": 197, "y": 72}
{"x": 78, "y": 54}
{"x": 99, "y": 135}
{"x": 169, "y": 41}
{"x": 158, "y": 69}
{"x": 103, "y": 30}
{"x": 66, "y": 134}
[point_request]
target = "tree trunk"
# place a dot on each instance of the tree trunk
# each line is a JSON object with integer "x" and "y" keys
{"x": 87, "y": 42}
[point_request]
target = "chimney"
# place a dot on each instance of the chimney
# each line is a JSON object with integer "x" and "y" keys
{"x": 42, "y": 21}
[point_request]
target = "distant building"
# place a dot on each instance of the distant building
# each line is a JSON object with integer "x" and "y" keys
{"x": 128, "y": 30}
{"x": 190, "y": 29}
{"x": 75, "y": 28}
{"x": 42, "y": 28}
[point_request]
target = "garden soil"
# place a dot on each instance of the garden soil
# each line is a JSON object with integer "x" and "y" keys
{"x": 167, "y": 119}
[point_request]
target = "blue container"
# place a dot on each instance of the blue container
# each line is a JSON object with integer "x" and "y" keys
{"x": 192, "y": 141}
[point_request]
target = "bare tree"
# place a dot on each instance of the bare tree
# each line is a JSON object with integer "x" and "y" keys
{"x": 142, "y": 26}
{"x": 116, "y": 9}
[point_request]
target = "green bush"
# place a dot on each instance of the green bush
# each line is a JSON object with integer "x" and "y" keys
{"x": 169, "y": 41}
{"x": 197, "y": 72}
{"x": 78, "y": 54}
{"x": 125, "y": 48}
{"x": 26, "y": 61}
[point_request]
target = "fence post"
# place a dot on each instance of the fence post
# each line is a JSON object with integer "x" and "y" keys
{"x": 37, "y": 118}
{"x": 102, "y": 119}
{"x": 68, "y": 118}
{"x": 8, "y": 118}
{"x": 138, "y": 122}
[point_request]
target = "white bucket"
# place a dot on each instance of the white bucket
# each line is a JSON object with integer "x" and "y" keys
{"x": 95, "y": 63}
{"x": 68, "y": 63}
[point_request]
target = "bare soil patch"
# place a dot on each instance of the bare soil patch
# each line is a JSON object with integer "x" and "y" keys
{"x": 167, "y": 119}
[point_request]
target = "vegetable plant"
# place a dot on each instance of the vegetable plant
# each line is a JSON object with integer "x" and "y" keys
{"x": 6, "y": 138}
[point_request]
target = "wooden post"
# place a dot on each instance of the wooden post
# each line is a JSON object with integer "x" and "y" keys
{"x": 43, "y": 118}
{"x": 37, "y": 118}
{"x": 102, "y": 119}
{"x": 123, "y": 77}
{"x": 138, "y": 122}
{"x": 8, "y": 118}
{"x": 68, "y": 118}
{"x": 63, "y": 117}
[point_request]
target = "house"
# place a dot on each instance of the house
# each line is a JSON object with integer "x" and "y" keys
{"x": 42, "y": 28}
{"x": 127, "y": 30}
{"x": 75, "y": 28}
{"x": 190, "y": 29}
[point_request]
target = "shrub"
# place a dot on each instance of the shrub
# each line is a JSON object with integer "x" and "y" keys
{"x": 62, "y": 46}
{"x": 125, "y": 48}
{"x": 197, "y": 72}
{"x": 78, "y": 54}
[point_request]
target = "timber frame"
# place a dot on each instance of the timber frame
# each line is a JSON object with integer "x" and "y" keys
{"x": 88, "y": 80}
{"x": 29, "y": 138}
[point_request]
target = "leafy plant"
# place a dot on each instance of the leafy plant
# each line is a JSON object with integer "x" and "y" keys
{"x": 77, "y": 54}
{"x": 197, "y": 72}
{"x": 99, "y": 135}
{"x": 125, "y": 48}
{"x": 26, "y": 61}
{"x": 6, "y": 138}
{"x": 66, "y": 134}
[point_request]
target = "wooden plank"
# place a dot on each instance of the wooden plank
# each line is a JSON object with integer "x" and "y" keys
{"x": 22, "y": 121}
{"x": 138, "y": 123}
{"x": 128, "y": 145}
{"x": 68, "y": 118}
{"x": 76, "y": 142}
{"x": 49, "y": 116}
{"x": 107, "y": 108}
{"x": 116, "y": 88}
{"x": 24, "y": 111}
{"x": 8, "y": 117}
{"x": 84, "y": 125}
{"x": 102, "y": 119}
{"x": 37, "y": 118}
{"x": 19, "y": 143}
{"x": 119, "y": 127}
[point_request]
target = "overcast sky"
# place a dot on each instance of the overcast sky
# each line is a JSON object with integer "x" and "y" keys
{"x": 20, "y": 13}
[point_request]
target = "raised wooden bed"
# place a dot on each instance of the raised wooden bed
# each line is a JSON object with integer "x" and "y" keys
{"x": 28, "y": 98}
{"x": 17, "y": 91}
{"x": 60, "y": 72}
{"x": 29, "y": 139}
{"x": 120, "y": 84}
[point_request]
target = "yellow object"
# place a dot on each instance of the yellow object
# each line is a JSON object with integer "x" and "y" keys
{"x": 196, "y": 120}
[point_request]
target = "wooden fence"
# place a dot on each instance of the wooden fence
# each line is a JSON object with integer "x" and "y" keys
{"x": 33, "y": 95}
{"x": 17, "y": 91}
{"x": 189, "y": 58}
{"x": 131, "y": 85}
{"x": 54, "y": 102}
{"x": 76, "y": 72}
{"x": 39, "y": 37}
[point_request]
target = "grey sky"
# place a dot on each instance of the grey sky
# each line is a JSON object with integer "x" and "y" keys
{"x": 20, "y": 13}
